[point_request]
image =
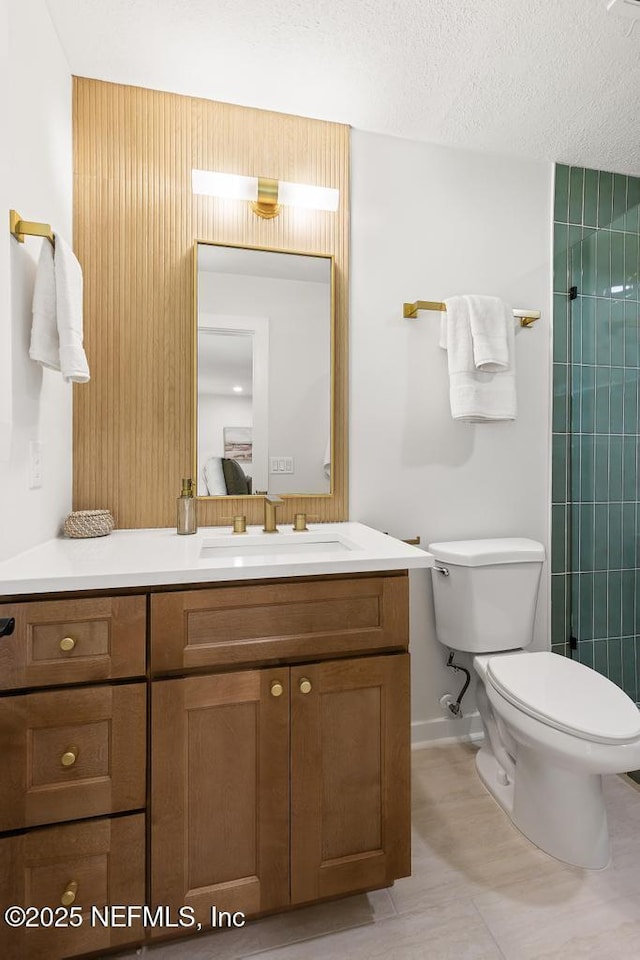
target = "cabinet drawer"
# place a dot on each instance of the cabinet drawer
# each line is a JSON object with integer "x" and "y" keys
{"x": 71, "y": 641}
{"x": 72, "y": 753}
{"x": 285, "y": 620}
{"x": 101, "y": 862}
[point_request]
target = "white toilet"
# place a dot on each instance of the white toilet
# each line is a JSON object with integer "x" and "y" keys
{"x": 552, "y": 725}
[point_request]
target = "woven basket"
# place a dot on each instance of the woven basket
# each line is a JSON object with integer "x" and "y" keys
{"x": 89, "y": 523}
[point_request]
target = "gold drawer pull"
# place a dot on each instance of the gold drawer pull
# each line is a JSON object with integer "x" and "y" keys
{"x": 276, "y": 688}
{"x": 67, "y": 644}
{"x": 69, "y": 895}
{"x": 305, "y": 685}
{"x": 69, "y": 757}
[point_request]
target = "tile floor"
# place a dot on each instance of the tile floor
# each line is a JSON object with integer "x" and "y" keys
{"x": 479, "y": 890}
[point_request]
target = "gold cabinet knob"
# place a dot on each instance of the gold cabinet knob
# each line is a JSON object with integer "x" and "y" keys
{"x": 276, "y": 688}
{"x": 69, "y": 757}
{"x": 305, "y": 685}
{"x": 69, "y": 895}
{"x": 67, "y": 644}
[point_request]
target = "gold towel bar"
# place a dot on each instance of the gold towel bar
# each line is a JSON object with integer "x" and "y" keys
{"x": 20, "y": 228}
{"x": 410, "y": 311}
{"x": 413, "y": 541}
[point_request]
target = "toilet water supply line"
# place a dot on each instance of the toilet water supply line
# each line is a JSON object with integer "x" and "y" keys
{"x": 454, "y": 706}
{"x": 506, "y": 766}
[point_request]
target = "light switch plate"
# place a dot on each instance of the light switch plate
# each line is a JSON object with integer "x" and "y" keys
{"x": 281, "y": 465}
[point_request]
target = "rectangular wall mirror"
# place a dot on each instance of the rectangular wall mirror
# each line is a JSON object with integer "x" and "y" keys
{"x": 264, "y": 372}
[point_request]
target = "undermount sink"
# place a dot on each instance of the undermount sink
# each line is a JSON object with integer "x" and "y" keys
{"x": 276, "y": 545}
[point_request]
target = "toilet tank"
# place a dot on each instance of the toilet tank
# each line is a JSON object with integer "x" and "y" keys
{"x": 486, "y": 600}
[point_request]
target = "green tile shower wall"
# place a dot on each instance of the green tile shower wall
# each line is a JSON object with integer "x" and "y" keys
{"x": 595, "y": 558}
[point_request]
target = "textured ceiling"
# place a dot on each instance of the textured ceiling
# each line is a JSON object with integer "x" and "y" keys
{"x": 553, "y": 79}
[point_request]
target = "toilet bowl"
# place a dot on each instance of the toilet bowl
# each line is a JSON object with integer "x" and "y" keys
{"x": 569, "y": 725}
{"x": 552, "y": 726}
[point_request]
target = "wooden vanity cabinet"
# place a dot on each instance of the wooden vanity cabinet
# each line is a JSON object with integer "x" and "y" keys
{"x": 279, "y": 775}
{"x": 286, "y": 784}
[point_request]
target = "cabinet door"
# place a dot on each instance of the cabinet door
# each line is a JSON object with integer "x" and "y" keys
{"x": 350, "y": 780}
{"x": 220, "y": 795}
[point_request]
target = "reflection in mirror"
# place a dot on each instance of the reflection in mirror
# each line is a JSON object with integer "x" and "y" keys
{"x": 264, "y": 372}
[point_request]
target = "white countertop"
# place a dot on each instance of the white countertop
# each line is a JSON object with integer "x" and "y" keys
{"x": 144, "y": 558}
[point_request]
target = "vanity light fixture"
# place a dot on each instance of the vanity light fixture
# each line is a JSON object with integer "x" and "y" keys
{"x": 264, "y": 194}
{"x": 237, "y": 389}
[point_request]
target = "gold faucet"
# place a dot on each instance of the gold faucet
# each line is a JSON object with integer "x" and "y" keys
{"x": 271, "y": 502}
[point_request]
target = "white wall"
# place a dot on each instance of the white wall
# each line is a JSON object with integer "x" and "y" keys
{"x": 427, "y": 223}
{"x": 36, "y": 180}
{"x": 5, "y": 327}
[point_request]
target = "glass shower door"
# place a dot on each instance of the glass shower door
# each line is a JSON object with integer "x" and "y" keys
{"x": 603, "y": 368}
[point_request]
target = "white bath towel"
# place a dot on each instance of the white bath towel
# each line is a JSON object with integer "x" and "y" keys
{"x": 56, "y": 333}
{"x": 483, "y": 388}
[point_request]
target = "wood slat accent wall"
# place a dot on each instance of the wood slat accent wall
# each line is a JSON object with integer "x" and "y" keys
{"x": 135, "y": 223}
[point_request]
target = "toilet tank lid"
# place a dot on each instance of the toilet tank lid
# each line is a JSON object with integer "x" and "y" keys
{"x": 480, "y": 553}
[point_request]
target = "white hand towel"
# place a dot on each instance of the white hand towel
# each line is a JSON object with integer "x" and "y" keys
{"x": 477, "y": 394}
{"x": 68, "y": 274}
{"x": 490, "y": 320}
{"x": 56, "y": 332}
{"x": 45, "y": 343}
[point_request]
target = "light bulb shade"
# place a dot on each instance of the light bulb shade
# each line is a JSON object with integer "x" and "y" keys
{"x": 234, "y": 187}
{"x": 304, "y": 195}
{"x": 227, "y": 185}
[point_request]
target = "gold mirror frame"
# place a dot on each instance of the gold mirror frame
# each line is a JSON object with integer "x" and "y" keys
{"x": 253, "y": 497}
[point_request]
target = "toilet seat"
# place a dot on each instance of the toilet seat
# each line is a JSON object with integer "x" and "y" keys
{"x": 566, "y": 695}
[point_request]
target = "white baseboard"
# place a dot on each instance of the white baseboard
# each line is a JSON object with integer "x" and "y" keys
{"x": 441, "y": 730}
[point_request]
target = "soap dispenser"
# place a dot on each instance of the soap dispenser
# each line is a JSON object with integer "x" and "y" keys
{"x": 187, "y": 521}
